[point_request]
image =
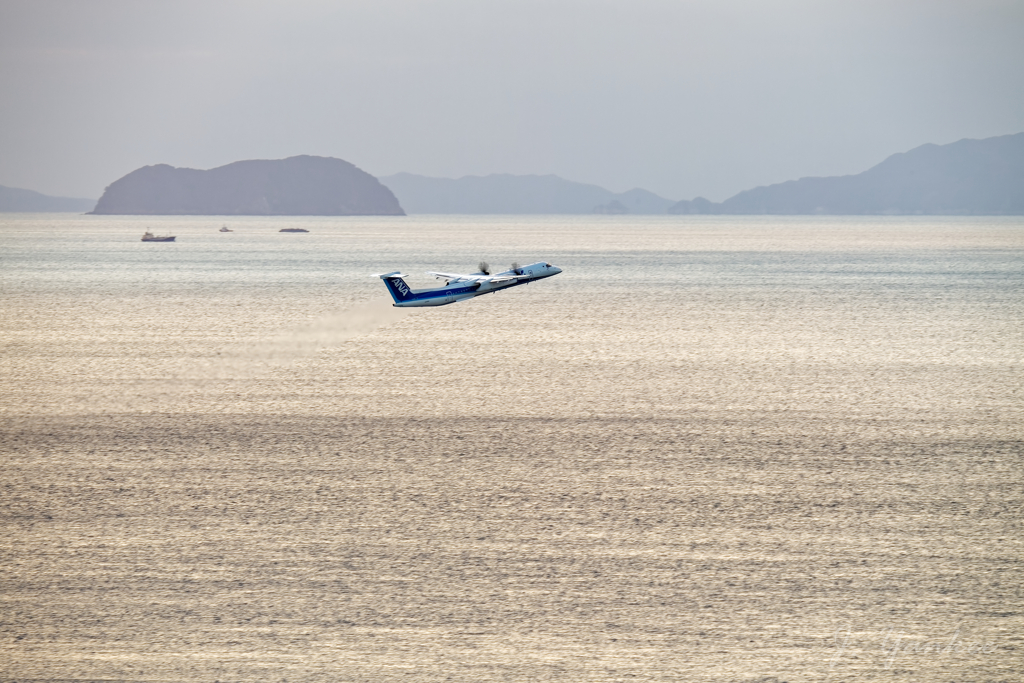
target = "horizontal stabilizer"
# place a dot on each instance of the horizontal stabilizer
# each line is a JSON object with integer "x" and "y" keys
{"x": 396, "y": 273}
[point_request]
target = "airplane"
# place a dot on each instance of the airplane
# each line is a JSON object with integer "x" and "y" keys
{"x": 462, "y": 287}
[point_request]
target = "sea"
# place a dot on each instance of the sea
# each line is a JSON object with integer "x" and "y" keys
{"x": 714, "y": 448}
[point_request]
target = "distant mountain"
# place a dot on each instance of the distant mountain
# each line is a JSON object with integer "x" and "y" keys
{"x": 969, "y": 177}
{"x": 297, "y": 186}
{"x": 516, "y": 194}
{"x": 15, "y": 200}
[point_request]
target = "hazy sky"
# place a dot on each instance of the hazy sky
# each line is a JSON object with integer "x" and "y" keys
{"x": 681, "y": 98}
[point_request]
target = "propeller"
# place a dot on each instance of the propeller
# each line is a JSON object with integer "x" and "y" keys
{"x": 484, "y": 268}
{"x": 515, "y": 267}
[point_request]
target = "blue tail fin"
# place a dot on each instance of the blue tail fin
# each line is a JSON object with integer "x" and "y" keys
{"x": 396, "y": 285}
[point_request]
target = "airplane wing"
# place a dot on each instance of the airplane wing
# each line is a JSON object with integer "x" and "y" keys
{"x": 456, "y": 277}
{"x": 451, "y": 276}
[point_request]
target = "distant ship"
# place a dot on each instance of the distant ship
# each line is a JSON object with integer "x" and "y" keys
{"x": 293, "y": 230}
{"x": 150, "y": 237}
{"x": 225, "y": 228}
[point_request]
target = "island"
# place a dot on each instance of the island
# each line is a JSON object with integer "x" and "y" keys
{"x": 296, "y": 186}
{"x": 503, "y": 193}
{"x": 969, "y": 177}
{"x": 17, "y": 200}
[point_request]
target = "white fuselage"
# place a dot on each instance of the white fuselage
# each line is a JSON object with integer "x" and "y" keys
{"x": 462, "y": 287}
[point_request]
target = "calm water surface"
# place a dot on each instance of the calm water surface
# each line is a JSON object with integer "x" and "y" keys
{"x": 713, "y": 449}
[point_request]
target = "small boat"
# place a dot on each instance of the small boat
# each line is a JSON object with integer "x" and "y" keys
{"x": 293, "y": 230}
{"x": 150, "y": 237}
{"x": 225, "y": 228}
